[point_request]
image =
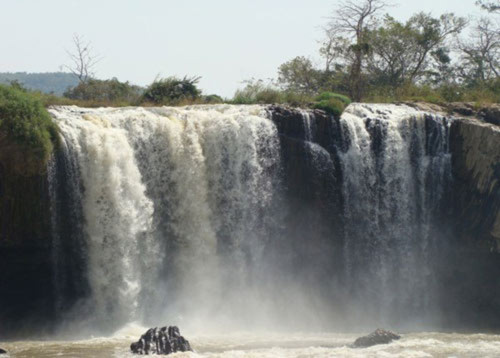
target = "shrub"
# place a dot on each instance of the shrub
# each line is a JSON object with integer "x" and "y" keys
{"x": 25, "y": 121}
{"x": 325, "y": 96}
{"x": 269, "y": 96}
{"x": 333, "y": 106}
{"x": 105, "y": 91}
{"x": 296, "y": 99}
{"x": 172, "y": 91}
{"x": 212, "y": 99}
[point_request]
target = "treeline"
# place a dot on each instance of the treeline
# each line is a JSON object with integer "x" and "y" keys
{"x": 366, "y": 55}
{"x": 50, "y": 82}
{"x": 93, "y": 92}
{"x": 373, "y": 57}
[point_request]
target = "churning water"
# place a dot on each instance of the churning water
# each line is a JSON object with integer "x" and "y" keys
{"x": 235, "y": 345}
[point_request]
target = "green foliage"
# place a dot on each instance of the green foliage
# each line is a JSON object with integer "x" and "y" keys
{"x": 333, "y": 106}
{"x": 172, "y": 91}
{"x": 105, "y": 91}
{"x": 328, "y": 95}
{"x": 299, "y": 75}
{"x": 258, "y": 92}
{"x": 24, "y": 119}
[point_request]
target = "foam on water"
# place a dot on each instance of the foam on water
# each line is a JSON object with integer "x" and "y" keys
{"x": 421, "y": 345}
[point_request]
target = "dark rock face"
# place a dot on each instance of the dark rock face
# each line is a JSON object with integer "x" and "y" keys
{"x": 475, "y": 147}
{"x": 163, "y": 340}
{"x": 473, "y": 267}
{"x": 25, "y": 264}
{"x": 379, "y": 336}
{"x": 3, "y": 351}
{"x": 309, "y": 142}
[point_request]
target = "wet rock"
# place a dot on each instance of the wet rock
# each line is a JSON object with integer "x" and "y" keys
{"x": 379, "y": 336}
{"x": 3, "y": 351}
{"x": 491, "y": 114}
{"x": 163, "y": 340}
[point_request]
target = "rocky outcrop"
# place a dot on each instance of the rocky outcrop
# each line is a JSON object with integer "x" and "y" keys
{"x": 165, "y": 340}
{"x": 475, "y": 148}
{"x": 3, "y": 351}
{"x": 379, "y": 336}
{"x": 489, "y": 113}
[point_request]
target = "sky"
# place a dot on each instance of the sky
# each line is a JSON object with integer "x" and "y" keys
{"x": 223, "y": 41}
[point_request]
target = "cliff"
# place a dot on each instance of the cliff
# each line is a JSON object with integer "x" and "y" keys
{"x": 475, "y": 147}
{"x": 42, "y": 246}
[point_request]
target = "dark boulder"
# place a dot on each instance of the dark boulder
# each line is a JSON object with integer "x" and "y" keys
{"x": 163, "y": 340}
{"x": 3, "y": 351}
{"x": 379, "y": 336}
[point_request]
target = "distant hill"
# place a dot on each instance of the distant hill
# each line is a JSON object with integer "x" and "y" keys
{"x": 49, "y": 82}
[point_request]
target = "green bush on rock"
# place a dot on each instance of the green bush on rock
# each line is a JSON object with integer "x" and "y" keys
{"x": 332, "y": 103}
{"x": 325, "y": 96}
{"x": 26, "y": 125}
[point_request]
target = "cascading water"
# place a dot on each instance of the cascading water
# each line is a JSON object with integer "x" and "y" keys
{"x": 176, "y": 204}
{"x": 191, "y": 214}
{"x": 396, "y": 169}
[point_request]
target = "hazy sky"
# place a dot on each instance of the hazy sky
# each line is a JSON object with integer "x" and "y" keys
{"x": 224, "y": 41}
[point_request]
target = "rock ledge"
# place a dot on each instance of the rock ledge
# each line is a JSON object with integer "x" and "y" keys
{"x": 163, "y": 340}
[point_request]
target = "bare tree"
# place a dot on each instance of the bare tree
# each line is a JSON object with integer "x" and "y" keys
{"x": 83, "y": 60}
{"x": 481, "y": 54}
{"x": 354, "y": 19}
{"x": 334, "y": 49}
{"x": 491, "y": 6}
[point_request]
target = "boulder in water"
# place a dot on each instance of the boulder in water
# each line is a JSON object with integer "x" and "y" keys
{"x": 379, "y": 336}
{"x": 3, "y": 351}
{"x": 163, "y": 340}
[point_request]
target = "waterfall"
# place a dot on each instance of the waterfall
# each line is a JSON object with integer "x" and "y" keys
{"x": 191, "y": 213}
{"x": 176, "y": 203}
{"x": 395, "y": 171}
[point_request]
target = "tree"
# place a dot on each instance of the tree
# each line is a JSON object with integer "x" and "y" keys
{"x": 409, "y": 52}
{"x": 83, "y": 60}
{"x": 299, "y": 75}
{"x": 335, "y": 50}
{"x": 354, "y": 20}
{"x": 431, "y": 33}
{"x": 480, "y": 55}
{"x": 491, "y": 6}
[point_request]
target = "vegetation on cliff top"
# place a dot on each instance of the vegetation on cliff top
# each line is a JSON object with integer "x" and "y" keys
{"x": 25, "y": 121}
{"x": 366, "y": 55}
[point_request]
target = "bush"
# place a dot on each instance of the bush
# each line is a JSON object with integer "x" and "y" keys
{"x": 325, "y": 96}
{"x": 25, "y": 121}
{"x": 105, "y": 91}
{"x": 259, "y": 92}
{"x": 172, "y": 91}
{"x": 296, "y": 99}
{"x": 212, "y": 99}
{"x": 333, "y": 106}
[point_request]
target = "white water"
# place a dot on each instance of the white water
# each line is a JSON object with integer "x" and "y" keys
{"x": 390, "y": 204}
{"x": 183, "y": 211}
{"x": 298, "y": 345}
{"x": 176, "y": 207}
